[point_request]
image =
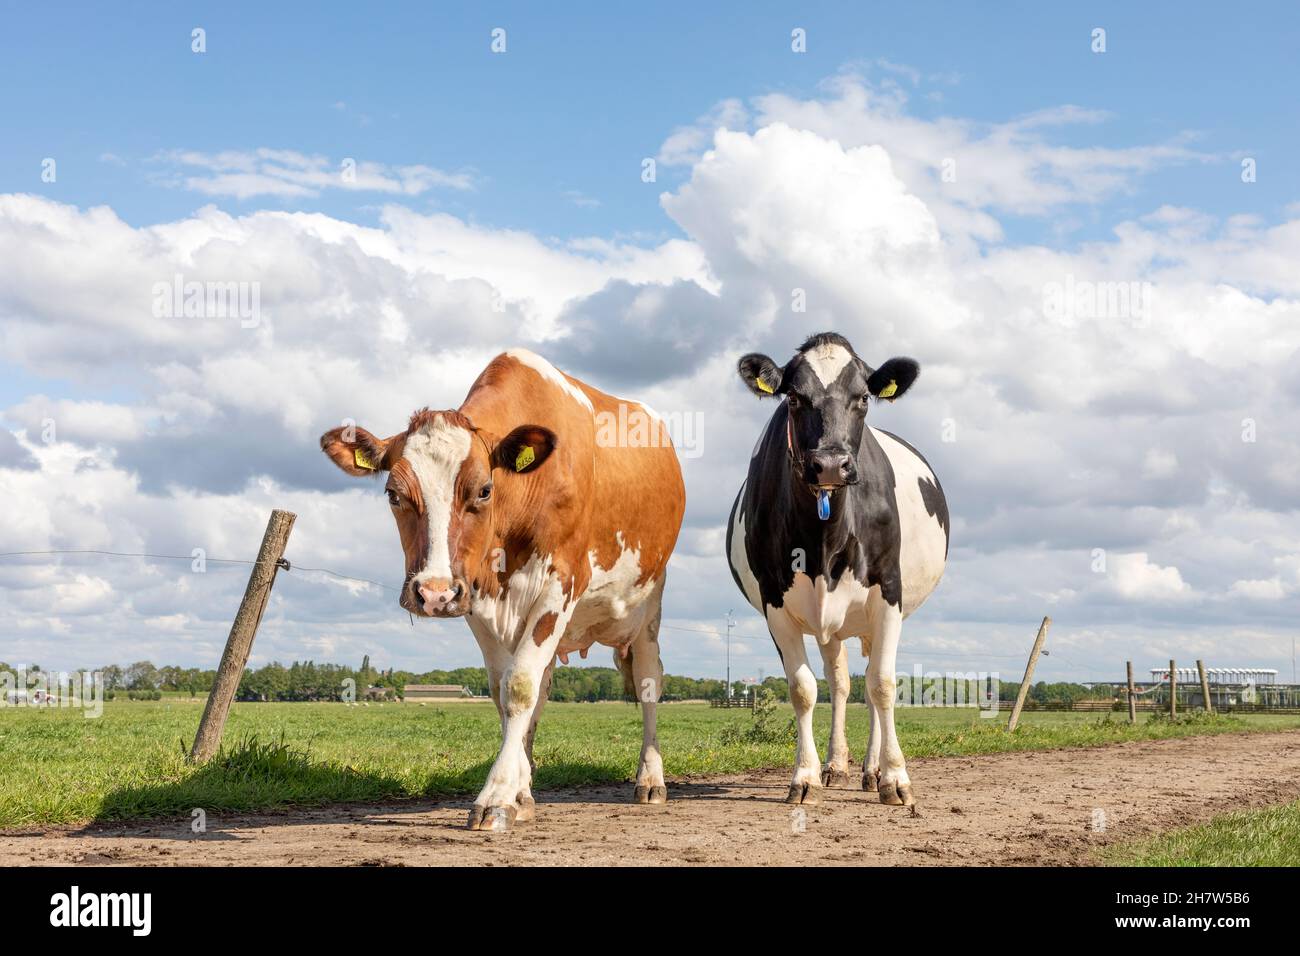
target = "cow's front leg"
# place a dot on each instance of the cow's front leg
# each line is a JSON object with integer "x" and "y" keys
{"x": 835, "y": 656}
{"x": 496, "y": 659}
{"x": 806, "y": 786}
{"x": 527, "y": 806}
{"x": 542, "y": 697}
{"x": 895, "y": 787}
{"x": 498, "y": 804}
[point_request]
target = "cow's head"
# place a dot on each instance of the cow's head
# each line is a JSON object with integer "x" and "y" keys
{"x": 447, "y": 481}
{"x": 827, "y": 389}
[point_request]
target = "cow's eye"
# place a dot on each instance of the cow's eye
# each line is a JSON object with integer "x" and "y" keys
{"x": 863, "y": 399}
{"x": 393, "y": 499}
{"x": 485, "y": 492}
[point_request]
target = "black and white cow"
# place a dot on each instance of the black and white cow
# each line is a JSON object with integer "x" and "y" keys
{"x": 839, "y": 531}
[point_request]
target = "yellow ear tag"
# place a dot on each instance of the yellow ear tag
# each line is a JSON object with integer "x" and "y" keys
{"x": 763, "y": 386}
{"x": 524, "y": 458}
{"x": 362, "y": 461}
{"x": 889, "y": 390}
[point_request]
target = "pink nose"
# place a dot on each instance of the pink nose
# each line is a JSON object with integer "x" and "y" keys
{"x": 439, "y": 594}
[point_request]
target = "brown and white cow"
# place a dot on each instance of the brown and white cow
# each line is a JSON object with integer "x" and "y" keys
{"x": 547, "y": 529}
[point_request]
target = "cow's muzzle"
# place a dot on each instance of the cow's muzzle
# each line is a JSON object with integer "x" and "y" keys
{"x": 437, "y": 597}
{"x": 831, "y": 469}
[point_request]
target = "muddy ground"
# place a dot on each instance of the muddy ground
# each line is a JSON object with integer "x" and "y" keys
{"x": 1039, "y": 807}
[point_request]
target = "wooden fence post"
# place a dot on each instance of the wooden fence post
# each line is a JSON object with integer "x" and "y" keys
{"x": 1205, "y": 687}
{"x": 240, "y": 642}
{"x": 1029, "y": 673}
{"x": 1132, "y": 696}
{"x": 1173, "y": 691}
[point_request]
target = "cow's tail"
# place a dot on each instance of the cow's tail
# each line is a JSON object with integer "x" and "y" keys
{"x": 623, "y": 661}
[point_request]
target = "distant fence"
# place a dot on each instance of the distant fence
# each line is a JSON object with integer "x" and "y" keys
{"x": 1148, "y": 705}
{"x": 1259, "y": 709}
{"x": 1141, "y": 705}
{"x": 746, "y": 702}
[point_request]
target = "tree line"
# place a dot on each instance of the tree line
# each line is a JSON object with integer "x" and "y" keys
{"x": 952, "y": 688}
{"x": 309, "y": 681}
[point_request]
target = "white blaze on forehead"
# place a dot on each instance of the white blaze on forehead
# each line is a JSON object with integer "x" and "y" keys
{"x": 435, "y": 454}
{"x": 552, "y": 374}
{"x": 828, "y": 361}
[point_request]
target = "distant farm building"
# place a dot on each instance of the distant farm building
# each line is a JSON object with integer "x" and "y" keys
{"x": 1231, "y": 676}
{"x": 1231, "y": 688}
{"x": 418, "y": 692}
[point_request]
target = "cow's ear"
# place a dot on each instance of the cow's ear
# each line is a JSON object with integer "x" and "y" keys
{"x": 360, "y": 453}
{"x": 761, "y": 374}
{"x": 892, "y": 379}
{"x": 524, "y": 449}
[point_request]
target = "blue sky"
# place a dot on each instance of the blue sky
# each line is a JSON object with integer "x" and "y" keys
{"x": 584, "y": 93}
{"x": 521, "y": 172}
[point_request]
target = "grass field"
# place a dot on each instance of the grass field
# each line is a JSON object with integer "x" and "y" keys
{"x": 1269, "y": 837}
{"x": 60, "y": 767}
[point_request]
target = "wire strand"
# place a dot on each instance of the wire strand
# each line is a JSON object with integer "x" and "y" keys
{"x": 127, "y": 554}
{"x": 189, "y": 557}
{"x": 345, "y": 577}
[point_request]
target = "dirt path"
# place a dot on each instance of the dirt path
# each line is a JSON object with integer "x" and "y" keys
{"x": 1018, "y": 808}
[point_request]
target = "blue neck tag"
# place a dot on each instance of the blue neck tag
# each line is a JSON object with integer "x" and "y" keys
{"x": 823, "y": 504}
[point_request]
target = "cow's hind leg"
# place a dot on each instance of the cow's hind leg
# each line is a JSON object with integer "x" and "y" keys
{"x": 648, "y": 679}
{"x": 835, "y": 772}
{"x": 806, "y": 786}
{"x": 871, "y": 763}
{"x": 895, "y": 787}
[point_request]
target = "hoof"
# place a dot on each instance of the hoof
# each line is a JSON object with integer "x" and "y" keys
{"x": 491, "y": 818}
{"x": 834, "y": 778}
{"x": 805, "y": 793}
{"x": 658, "y": 794}
{"x": 527, "y": 810}
{"x": 896, "y": 795}
{"x": 871, "y": 780}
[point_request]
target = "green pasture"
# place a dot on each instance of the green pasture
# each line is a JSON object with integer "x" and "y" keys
{"x": 1268, "y": 837}
{"x": 60, "y": 767}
